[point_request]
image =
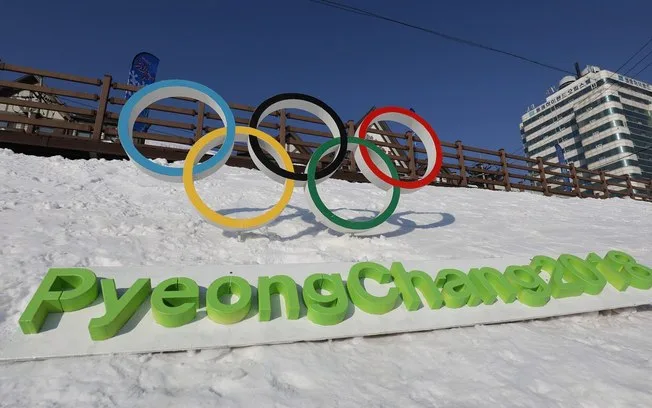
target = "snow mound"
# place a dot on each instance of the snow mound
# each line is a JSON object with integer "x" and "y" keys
{"x": 56, "y": 212}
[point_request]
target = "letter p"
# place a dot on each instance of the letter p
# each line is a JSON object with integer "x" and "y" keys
{"x": 62, "y": 290}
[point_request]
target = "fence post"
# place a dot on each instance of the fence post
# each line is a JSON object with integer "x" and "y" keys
{"x": 542, "y": 175}
{"x": 412, "y": 164}
{"x": 350, "y": 132}
{"x": 630, "y": 189}
{"x": 201, "y": 112}
{"x": 31, "y": 128}
{"x": 101, "y": 109}
{"x": 460, "y": 157}
{"x": 605, "y": 186}
{"x": 503, "y": 161}
{"x": 576, "y": 181}
{"x": 282, "y": 128}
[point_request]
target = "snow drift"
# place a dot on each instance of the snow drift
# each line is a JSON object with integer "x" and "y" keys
{"x": 77, "y": 213}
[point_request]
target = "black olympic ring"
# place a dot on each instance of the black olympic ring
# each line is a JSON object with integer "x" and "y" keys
{"x": 270, "y": 164}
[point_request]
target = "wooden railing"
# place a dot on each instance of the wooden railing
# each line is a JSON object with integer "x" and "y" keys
{"x": 74, "y": 113}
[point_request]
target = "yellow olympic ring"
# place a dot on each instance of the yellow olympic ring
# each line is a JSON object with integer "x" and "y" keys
{"x": 229, "y": 223}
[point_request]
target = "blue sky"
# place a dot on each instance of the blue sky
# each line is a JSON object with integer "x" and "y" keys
{"x": 248, "y": 50}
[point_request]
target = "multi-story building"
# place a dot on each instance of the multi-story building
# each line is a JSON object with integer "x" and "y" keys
{"x": 601, "y": 120}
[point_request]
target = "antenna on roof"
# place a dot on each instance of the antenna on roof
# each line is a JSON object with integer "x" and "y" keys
{"x": 578, "y": 73}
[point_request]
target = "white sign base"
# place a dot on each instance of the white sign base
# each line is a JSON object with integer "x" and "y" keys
{"x": 66, "y": 335}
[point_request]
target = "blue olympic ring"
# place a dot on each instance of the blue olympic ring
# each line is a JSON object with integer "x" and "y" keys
{"x": 157, "y": 91}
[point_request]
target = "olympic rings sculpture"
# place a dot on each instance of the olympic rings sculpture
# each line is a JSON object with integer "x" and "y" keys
{"x": 372, "y": 161}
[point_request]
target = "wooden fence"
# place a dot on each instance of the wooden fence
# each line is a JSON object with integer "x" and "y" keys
{"x": 49, "y": 113}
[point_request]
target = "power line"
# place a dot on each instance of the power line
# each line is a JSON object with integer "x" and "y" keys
{"x": 644, "y": 68}
{"x": 636, "y": 53}
{"x": 343, "y": 7}
{"x": 367, "y": 13}
{"x": 639, "y": 61}
{"x": 617, "y": 85}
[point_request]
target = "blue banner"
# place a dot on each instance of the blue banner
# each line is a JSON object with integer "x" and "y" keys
{"x": 143, "y": 72}
{"x": 562, "y": 160}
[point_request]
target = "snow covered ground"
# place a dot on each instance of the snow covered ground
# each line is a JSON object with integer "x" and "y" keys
{"x": 76, "y": 213}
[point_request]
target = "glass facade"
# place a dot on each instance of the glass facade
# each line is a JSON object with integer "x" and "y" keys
{"x": 639, "y": 123}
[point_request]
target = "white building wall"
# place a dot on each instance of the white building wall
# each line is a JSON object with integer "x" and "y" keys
{"x": 586, "y": 137}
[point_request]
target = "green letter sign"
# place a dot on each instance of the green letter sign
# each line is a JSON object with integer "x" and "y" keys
{"x": 327, "y": 298}
{"x": 118, "y": 311}
{"x": 62, "y": 290}
{"x": 175, "y": 302}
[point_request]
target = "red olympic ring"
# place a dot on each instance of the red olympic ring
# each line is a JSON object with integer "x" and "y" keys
{"x": 428, "y": 178}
